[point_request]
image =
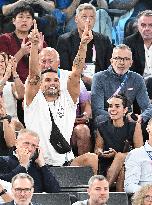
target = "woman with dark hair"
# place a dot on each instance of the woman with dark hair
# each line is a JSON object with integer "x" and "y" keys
{"x": 114, "y": 138}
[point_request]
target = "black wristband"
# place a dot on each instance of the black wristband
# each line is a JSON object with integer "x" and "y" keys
{"x": 3, "y": 192}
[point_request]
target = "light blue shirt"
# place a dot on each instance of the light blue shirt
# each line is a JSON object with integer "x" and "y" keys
{"x": 138, "y": 168}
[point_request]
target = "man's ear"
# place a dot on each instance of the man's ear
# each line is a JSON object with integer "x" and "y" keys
{"x": 131, "y": 62}
{"x": 88, "y": 190}
{"x": 76, "y": 20}
{"x": 111, "y": 60}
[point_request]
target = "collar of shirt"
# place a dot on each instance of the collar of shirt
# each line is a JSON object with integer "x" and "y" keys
{"x": 148, "y": 147}
{"x": 148, "y": 61}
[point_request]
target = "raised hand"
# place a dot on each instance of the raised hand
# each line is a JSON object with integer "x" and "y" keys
{"x": 13, "y": 64}
{"x": 23, "y": 156}
{"x": 41, "y": 41}
{"x": 34, "y": 36}
{"x": 25, "y": 47}
{"x": 40, "y": 160}
{"x": 87, "y": 35}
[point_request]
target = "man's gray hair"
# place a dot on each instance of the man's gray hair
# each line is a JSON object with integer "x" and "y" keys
{"x": 27, "y": 131}
{"x": 50, "y": 49}
{"x": 144, "y": 13}
{"x": 23, "y": 176}
{"x": 85, "y": 6}
{"x": 98, "y": 177}
{"x": 122, "y": 46}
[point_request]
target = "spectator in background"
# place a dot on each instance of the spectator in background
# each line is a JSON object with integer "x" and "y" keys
{"x": 22, "y": 189}
{"x": 42, "y": 9}
{"x": 132, "y": 7}
{"x": 69, "y": 8}
{"x": 98, "y": 191}
{"x": 143, "y": 196}
{"x": 140, "y": 44}
{"x": 98, "y": 51}
{"x": 114, "y": 138}
{"x": 117, "y": 79}
{"x": 49, "y": 58}
{"x": 28, "y": 158}
{"x": 138, "y": 169}
{"x": 17, "y": 44}
{"x": 11, "y": 91}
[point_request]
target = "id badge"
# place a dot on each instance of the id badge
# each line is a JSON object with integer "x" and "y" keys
{"x": 89, "y": 70}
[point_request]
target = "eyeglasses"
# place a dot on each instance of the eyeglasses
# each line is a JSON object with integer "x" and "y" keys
{"x": 148, "y": 198}
{"x": 34, "y": 146}
{"x": 121, "y": 59}
{"x": 25, "y": 190}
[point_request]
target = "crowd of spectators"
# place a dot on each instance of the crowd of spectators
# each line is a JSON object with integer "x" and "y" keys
{"x": 73, "y": 94}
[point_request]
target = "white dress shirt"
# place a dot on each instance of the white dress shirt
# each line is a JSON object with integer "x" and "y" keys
{"x": 138, "y": 168}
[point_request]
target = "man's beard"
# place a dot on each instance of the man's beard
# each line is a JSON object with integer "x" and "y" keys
{"x": 51, "y": 93}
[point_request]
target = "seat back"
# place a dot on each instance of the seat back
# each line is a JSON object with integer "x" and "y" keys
{"x": 72, "y": 178}
{"x": 51, "y": 198}
{"x": 118, "y": 198}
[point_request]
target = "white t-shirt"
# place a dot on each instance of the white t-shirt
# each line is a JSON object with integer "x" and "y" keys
{"x": 37, "y": 118}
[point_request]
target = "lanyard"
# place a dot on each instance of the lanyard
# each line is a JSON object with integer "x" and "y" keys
{"x": 149, "y": 155}
{"x": 94, "y": 54}
{"x": 121, "y": 85}
{"x": 59, "y": 72}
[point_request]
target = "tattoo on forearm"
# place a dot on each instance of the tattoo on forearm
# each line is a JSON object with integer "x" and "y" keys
{"x": 35, "y": 80}
{"x": 78, "y": 60}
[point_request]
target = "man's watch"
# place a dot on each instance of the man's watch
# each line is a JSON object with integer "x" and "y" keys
{"x": 3, "y": 192}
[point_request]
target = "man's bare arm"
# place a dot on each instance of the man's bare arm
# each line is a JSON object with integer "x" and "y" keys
{"x": 8, "y": 9}
{"x": 123, "y": 4}
{"x": 78, "y": 65}
{"x": 71, "y": 9}
{"x": 33, "y": 82}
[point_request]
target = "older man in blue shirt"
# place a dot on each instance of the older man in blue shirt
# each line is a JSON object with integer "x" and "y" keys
{"x": 118, "y": 79}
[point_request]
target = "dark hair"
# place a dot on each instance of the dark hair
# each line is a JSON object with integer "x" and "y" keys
{"x": 24, "y": 8}
{"x": 123, "y": 98}
{"x": 48, "y": 70}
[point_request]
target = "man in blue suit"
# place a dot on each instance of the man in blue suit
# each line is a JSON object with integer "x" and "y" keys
{"x": 28, "y": 158}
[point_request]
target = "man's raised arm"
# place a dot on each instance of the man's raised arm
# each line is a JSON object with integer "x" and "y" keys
{"x": 78, "y": 65}
{"x": 33, "y": 81}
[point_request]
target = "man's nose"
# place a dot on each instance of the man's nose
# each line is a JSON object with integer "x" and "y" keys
{"x": 47, "y": 65}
